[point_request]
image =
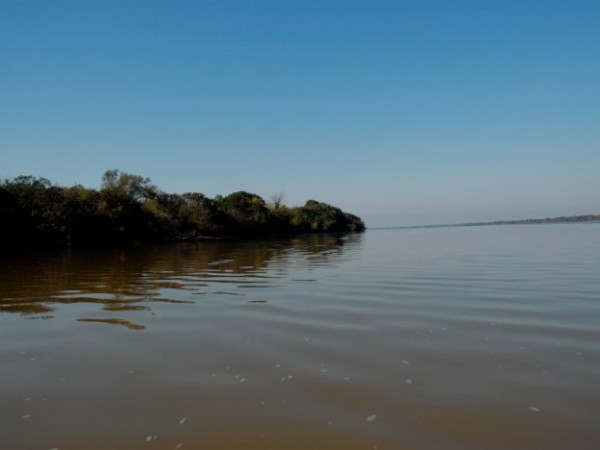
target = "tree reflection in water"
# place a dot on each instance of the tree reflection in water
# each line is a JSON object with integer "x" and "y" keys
{"x": 133, "y": 279}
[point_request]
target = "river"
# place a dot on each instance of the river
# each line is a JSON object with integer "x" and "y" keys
{"x": 450, "y": 338}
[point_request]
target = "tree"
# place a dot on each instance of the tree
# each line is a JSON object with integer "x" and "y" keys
{"x": 32, "y": 210}
{"x": 202, "y": 215}
{"x": 320, "y": 217}
{"x": 128, "y": 185}
{"x": 276, "y": 200}
{"x": 249, "y": 211}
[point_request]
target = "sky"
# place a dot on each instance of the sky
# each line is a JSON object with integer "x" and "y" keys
{"x": 402, "y": 112}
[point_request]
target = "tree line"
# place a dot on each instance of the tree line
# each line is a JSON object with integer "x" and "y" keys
{"x": 128, "y": 208}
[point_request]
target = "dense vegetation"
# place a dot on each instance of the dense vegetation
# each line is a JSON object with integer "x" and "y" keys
{"x": 128, "y": 208}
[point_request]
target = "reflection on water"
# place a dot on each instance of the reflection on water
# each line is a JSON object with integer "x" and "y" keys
{"x": 135, "y": 279}
{"x": 122, "y": 322}
{"x": 463, "y": 338}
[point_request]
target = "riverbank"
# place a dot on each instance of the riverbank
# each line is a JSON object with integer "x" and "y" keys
{"x": 34, "y": 213}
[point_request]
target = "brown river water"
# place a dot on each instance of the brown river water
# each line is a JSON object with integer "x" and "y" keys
{"x": 453, "y": 338}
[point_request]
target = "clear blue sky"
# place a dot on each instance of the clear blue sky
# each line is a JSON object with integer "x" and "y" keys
{"x": 402, "y": 112}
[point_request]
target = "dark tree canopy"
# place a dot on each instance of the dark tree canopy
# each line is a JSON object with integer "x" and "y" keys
{"x": 128, "y": 208}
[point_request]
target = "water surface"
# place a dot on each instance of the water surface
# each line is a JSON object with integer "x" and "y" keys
{"x": 456, "y": 338}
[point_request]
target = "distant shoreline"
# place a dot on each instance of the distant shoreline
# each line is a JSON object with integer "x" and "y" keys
{"x": 548, "y": 220}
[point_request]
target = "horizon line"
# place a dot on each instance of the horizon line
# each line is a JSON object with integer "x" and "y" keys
{"x": 546, "y": 220}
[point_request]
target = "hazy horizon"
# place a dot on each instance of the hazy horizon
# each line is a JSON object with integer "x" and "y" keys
{"x": 402, "y": 113}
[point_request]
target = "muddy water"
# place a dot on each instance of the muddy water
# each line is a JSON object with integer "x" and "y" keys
{"x": 462, "y": 338}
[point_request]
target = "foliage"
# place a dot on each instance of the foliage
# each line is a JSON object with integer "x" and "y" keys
{"x": 126, "y": 185}
{"x": 320, "y": 217}
{"x": 248, "y": 212}
{"x": 128, "y": 208}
